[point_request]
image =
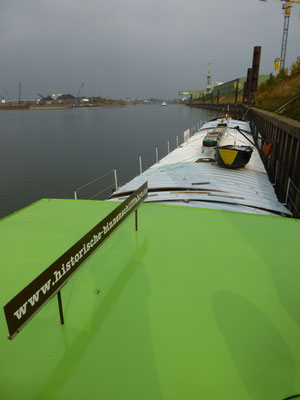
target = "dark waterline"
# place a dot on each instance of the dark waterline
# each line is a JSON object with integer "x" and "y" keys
{"x": 47, "y": 154}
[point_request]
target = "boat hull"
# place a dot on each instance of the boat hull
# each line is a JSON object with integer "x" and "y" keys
{"x": 233, "y": 157}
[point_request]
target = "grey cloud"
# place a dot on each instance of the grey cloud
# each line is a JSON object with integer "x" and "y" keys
{"x": 135, "y": 47}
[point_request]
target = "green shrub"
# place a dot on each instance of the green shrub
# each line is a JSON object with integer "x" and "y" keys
{"x": 295, "y": 69}
{"x": 282, "y": 74}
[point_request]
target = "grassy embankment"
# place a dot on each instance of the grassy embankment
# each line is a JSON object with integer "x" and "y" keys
{"x": 280, "y": 93}
{"x": 277, "y": 91}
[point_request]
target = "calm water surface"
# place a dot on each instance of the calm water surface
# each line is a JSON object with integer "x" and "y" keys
{"x": 47, "y": 154}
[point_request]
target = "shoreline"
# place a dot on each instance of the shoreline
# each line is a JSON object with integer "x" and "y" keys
{"x": 37, "y": 108}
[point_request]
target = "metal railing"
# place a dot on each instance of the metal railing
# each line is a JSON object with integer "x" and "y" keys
{"x": 115, "y": 184}
{"x": 114, "y": 171}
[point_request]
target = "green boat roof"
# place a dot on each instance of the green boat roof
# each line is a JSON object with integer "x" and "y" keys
{"x": 197, "y": 304}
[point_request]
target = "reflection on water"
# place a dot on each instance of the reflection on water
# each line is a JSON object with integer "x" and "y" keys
{"x": 50, "y": 153}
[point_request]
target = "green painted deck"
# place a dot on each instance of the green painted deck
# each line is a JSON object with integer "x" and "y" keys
{"x": 198, "y": 304}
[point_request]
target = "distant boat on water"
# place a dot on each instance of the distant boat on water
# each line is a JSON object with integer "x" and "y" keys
{"x": 163, "y": 103}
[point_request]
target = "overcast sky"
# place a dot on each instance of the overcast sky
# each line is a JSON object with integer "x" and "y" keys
{"x": 131, "y": 48}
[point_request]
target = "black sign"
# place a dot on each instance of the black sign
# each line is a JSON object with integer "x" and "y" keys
{"x": 31, "y": 299}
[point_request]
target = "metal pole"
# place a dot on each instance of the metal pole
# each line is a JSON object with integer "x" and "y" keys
{"x": 156, "y": 153}
{"x": 61, "y": 314}
{"x": 287, "y": 11}
{"x": 236, "y": 91}
{"x": 136, "y": 220}
{"x": 20, "y": 89}
{"x": 140, "y": 162}
{"x": 176, "y": 141}
{"x": 75, "y": 194}
{"x": 248, "y": 86}
{"x": 255, "y": 73}
{"x": 287, "y": 191}
{"x": 168, "y": 147}
{"x": 116, "y": 179}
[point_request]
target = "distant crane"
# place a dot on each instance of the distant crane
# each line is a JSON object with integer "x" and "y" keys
{"x": 287, "y": 12}
{"x": 40, "y": 95}
{"x": 81, "y": 86}
{"x": 20, "y": 92}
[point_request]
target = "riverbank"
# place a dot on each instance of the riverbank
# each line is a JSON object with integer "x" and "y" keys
{"x": 92, "y": 102}
{"x": 117, "y": 105}
{"x": 60, "y": 107}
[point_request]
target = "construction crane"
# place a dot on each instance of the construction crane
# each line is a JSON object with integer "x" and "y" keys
{"x": 279, "y": 63}
{"x": 81, "y": 86}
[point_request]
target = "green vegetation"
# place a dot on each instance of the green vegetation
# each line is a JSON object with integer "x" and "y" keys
{"x": 276, "y": 92}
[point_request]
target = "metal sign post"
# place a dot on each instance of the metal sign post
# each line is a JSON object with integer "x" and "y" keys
{"x": 35, "y": 295}
{"x": 136, "y": 220}
{"x": 61, "y": 314}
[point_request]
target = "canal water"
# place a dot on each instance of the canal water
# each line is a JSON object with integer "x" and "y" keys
{"x": 48, "y": 154}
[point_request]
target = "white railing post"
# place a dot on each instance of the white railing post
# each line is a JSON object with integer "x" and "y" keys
{"x": 140, "y": 162}
{"x": 176, "y": 141}
{"x": 287, "y": 191}
{"x": 116, "y": 179}
{"x": 156, "y": 152}
{"x": 75, "y": 194}
{"x": 168, "y": 147}
{"x": 276, "y": 170}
